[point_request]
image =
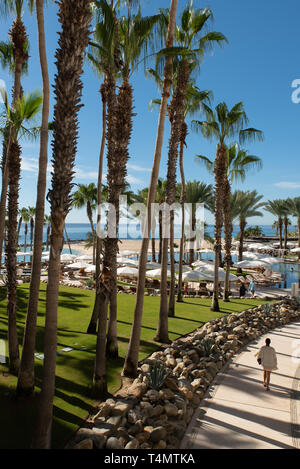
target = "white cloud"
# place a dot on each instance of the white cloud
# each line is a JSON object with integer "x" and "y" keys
{"x": 133, "y": 180}
{"x": 135, "y": 167}
{"x": 287, "y": 185}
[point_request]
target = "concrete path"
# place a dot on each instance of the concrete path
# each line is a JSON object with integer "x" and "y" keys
{"x": 238, "y": 413}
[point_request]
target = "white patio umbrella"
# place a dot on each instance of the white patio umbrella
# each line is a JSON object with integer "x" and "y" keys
{"x": 156, "y": 273}
{"x": 271, "y": 260}
{"x": 127, "y": 261}
{"x": 201, "y": 263}
{"x": 127, "y": 272}
{"x": 90, "y": 269}
{"x": 153, "y": 265}
{"x": 196, "y": 276}
{"x": 22, "y": 254}
{"x": 205, "y": 251}
{"x": 185, "y": 268}
{"x": 295, "y": 250}
{"x": 68, "y": 257}
{"x": 128, "y": 253}
{"x": 84, "y": 257}
{"x": 77, "y": 265}
{"x": 254, "y": 264}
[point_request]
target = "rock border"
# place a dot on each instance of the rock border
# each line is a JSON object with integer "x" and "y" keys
{"x": 144, "y": 418}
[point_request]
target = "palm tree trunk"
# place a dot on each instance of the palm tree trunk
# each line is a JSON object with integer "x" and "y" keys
{"x": 241, "y": 240}
{"x": 5, "y": 174}
{"x": 172, "y": 262}
{"x": 131, "y": 360}
{"x": 285, "y": 221}
{"x": 299, "y": 239}
{"x": 160, "y": 237}
{"x": 25, "y": 239}
{"x": 280, "y": 231}
{"x": 92, "y": 327}
{"x": 153, "y": 226}
{"x": 99, "y": 379}
{"x": 176, "y": 113}
{"x": 182, "y": 201}
{"x": 220, "y": 171}
{"x": 26, "y": 375}
{"x": 11, "y": 259}
{"x": 48, "y": 237}
{"x": 228, "y": 238}
{"x": 68, "y": 240}
{"x": 75, "y": 18}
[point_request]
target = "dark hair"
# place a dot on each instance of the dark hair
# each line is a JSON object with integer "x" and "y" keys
{"x": 268, "y": 341}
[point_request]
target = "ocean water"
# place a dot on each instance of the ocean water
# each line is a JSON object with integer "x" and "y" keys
{"x": 78, "y": 231}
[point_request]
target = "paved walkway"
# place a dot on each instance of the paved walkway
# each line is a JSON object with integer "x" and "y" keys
{"x": 238, "y": 413}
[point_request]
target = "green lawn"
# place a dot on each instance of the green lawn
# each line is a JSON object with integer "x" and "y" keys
{"x": 73, "y": 398}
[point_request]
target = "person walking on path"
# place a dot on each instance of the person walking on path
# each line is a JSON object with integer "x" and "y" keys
{"x": 267, "y": 358}
{"x": 252, "y": 288}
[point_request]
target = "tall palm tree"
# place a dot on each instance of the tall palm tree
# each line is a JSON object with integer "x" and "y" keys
{"x": 245, "y": 205}
{"x": 47, "y": 222}
{"x": 75, "y": 19}
{"x": 193, "y": 40}
{"x": 23, "y": 218}
{"x": 17, "y": 119}
{"x": 19, "y": 48}
{"x": 198, "y": 193}
{"x": 222, "y": 124}
{"x": 238, "y": 164}
{"x": 295, "y": 210}
{"x": 86, "y": 196}
{"x": 131, "y": 360}
{"x": 31, "y": 211}
{"x": 25, "y": 384}
{"x": 277, "y": 207}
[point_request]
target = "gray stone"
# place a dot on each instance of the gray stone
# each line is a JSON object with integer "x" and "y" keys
{"x": 133, "y": 444}
{"x": 157, "y": 434}
{"x": 114, "y": 443}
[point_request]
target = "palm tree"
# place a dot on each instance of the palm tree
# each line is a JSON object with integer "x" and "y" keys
{"x": 190, "y": 49}
{"x": 31, "y": 212}
{"x": 223, "y": 124}
{"x": 75, "y": 19}
{"x": 16, "y": 119}
{"x": 245, "y": 205}
{"x": 197, "y": 193}
{"x": 47, "y": 222}
{"x": 23, "y": 218}
{"x": 239, "y": 163}
{"x": 19, "y": 49}
{"x": 295, "y": 210}
{"x": 277, "y": 207}
{"x": 26, "y": 373}
{"x": 131, "y": 360}
{"x": 86, "y": 196}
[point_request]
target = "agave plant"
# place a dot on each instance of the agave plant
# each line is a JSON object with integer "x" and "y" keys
{"x": 267, "y": 308}
{"x": 207, "y": 345}
{"x": 158, "y": 374}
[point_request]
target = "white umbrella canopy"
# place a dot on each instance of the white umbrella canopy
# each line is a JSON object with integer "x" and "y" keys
{"x": 68, "y": 257}
{"x": 185, "y": 268}
{"x": 84, "y": 257}
{"x": 77, "y": 265}
{"x": 205, "y": 251}
{"x": 127, "y": 272}
{"x": 254, "y": 264}
{"x": 22, "y": 254}
{"x": 257, "y": 246}
{"x": 128, "y": 253}
{"x": 156, "y": 273}
{"x": 201, "y": 263}
{"x": 295, "y": 250}
{"x": 153, "y": 265}
{"x": 271, "y": 260}
{"x": 196, "y": 276}
{"x": 125, "y": 260}
{"x": 208, "y": 268}
{"x": 90, "y": 269}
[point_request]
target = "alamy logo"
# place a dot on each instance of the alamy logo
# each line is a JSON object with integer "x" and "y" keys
{"x": 296, "y": 93}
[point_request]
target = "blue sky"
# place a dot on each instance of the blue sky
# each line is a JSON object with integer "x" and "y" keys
{"x": 257, "y": 67}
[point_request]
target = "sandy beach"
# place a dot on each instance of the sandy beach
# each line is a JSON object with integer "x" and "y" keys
{"x": 124, "y": 245}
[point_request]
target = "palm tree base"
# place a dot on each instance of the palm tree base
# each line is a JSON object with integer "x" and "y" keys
{"x": 129, "y": 369}
{"x": 162, "y": 340}
{"x": 171, "y": 313}
{"x": 100, "y": 386}
{"x": 92, "y": 328}
{"x": 14, "y": 366}
{"x": 112, "y": 348}
{"x": 25, "y": 391}
{"x": 215, "y": 305}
